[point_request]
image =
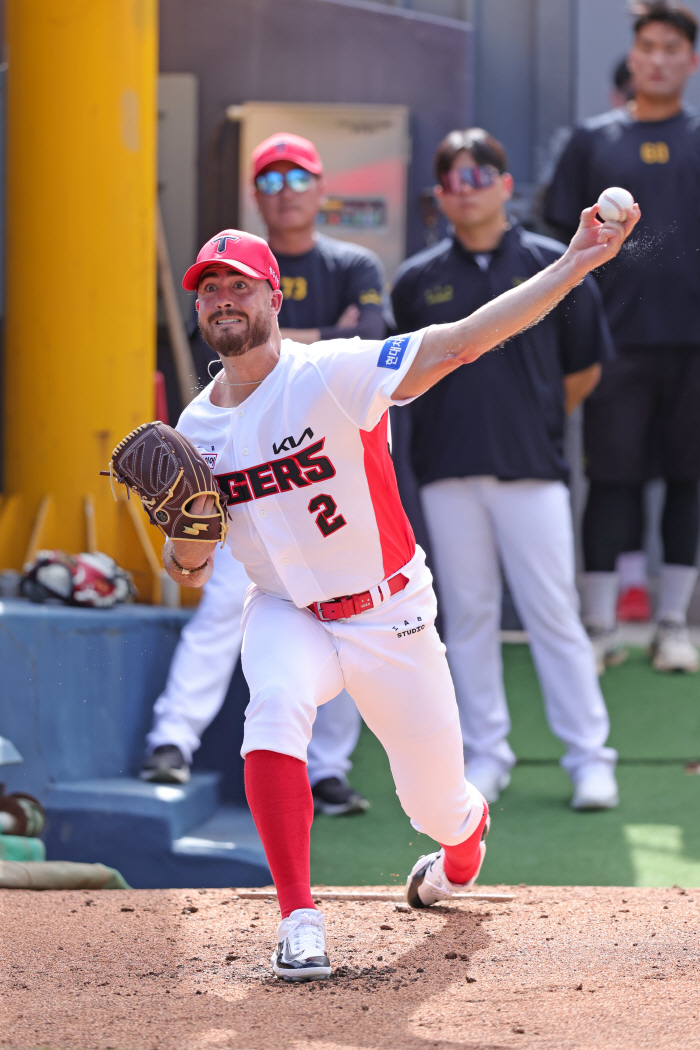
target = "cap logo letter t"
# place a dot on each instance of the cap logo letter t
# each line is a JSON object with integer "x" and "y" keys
{"x": 221, "y": 243}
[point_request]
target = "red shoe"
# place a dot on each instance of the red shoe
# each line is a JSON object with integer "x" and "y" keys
{"x": 633, "y": 605}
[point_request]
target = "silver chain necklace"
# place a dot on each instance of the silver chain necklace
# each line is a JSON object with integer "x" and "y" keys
{"x": 223, "y": 382}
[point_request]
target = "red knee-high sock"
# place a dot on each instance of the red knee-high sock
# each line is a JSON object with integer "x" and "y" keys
{"x": 462, "y": 861}
{"x": 279, "y": 796}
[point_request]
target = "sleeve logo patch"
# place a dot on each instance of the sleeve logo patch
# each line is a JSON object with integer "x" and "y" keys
{"x": 391, "y": 353}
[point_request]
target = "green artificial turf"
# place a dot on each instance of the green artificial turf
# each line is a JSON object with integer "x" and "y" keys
{"x": 652, "y": 839}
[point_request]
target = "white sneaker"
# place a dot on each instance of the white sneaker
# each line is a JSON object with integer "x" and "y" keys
{"x": 489, "y": 781}
{"x": 301, "y": 947}
{"x": 427, "y": 884}
{"x": 607, "y": 649}
{"x": 672, "y": 649}
{"x": 596, "y": 788}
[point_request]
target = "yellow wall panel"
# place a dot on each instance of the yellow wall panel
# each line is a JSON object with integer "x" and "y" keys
{"x": 80, "y": 331}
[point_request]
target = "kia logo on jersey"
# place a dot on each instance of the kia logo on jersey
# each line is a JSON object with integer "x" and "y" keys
{"x": 289, "y": 442}
{"x": 391, "y": 353}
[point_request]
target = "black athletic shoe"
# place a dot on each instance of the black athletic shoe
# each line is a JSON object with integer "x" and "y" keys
{"x": 166, "y": 766}
{"x": 335, "y": 798}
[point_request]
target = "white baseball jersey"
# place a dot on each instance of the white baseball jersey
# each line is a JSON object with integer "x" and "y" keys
{"x": 305, "y": 467}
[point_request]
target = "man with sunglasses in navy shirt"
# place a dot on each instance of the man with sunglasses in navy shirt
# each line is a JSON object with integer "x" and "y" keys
{"x": 332, "y": 289}
{"x": 487, "y": 451}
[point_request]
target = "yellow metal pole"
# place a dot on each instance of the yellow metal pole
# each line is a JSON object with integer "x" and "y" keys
{"x": 81, "y": 277}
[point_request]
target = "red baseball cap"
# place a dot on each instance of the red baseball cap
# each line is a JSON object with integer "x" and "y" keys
{"x": 284, "y": 146}
{"x": 243, "y": 252}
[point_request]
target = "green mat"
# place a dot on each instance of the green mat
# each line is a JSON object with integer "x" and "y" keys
{"x": 17, "y": 847}
{"x": 652, "y": 839}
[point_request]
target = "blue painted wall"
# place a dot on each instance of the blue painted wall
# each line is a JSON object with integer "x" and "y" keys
{"x": 77, "y": 688}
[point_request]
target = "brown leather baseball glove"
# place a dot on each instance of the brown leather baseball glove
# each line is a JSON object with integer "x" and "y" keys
{"x": 167, "y": 473}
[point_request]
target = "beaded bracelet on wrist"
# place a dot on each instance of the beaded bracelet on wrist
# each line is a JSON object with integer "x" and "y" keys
{"x": 183, "y": 570}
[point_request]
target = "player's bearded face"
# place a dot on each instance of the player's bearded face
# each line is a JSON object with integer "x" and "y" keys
{"x": 233, "y": 333}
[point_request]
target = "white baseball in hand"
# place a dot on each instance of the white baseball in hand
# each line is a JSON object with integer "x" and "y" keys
{"x": 614, "y": 204}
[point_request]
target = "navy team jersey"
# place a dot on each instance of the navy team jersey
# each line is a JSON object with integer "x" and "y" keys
{"x": 504, "y": 414}
{"x": 651, "y": 289}
{"x": 318, "y": 285}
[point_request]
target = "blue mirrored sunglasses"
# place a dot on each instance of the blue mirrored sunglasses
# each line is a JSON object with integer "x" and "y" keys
{"x": 271, "y": 182}
{"x": 478, "y": 176}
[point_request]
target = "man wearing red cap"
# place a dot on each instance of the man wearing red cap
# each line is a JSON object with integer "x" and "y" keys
{"x": 341, "y": 595}
{"x": 331, "y": 288}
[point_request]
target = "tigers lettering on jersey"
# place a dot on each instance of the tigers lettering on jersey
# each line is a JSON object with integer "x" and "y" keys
{"x": 305, "y": 467}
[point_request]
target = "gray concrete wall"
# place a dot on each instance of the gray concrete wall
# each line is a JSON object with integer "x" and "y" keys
{"x": 316, "y": 51}
{"x": 523, "y": 76}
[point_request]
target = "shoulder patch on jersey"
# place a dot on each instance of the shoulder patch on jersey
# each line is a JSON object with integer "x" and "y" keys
{"x": 391, "y": 353}
{"x": 209, "y": 456}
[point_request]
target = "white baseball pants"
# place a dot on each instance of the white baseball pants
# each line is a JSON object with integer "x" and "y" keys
{"x": 473, "y": 522}
{"x": 392, "y": 662}
{"x": 201, "y": 670}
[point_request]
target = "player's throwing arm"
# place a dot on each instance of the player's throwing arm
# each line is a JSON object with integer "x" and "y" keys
{"x": 177, "y": 487}
{"x": 446, "y": 347}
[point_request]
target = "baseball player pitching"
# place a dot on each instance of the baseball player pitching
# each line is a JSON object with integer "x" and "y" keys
{"x": 340, "y": 595}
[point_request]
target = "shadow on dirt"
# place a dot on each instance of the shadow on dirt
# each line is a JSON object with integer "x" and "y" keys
{"x": 381, "y": 1005}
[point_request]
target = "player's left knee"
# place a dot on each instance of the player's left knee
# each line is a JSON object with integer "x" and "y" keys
{"x": 450, "y": 822}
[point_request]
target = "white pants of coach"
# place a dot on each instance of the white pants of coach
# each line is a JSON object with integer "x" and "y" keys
{"x": 476, "y": 525}
{"x": 201, "y": 670}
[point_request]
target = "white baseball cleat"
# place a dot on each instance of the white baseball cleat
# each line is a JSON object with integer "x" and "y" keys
{"x": 301, "y": 947}
{"x": 427, "y": 884}
{"x": 672, "y": 649}
{"x": 596, "y": 788}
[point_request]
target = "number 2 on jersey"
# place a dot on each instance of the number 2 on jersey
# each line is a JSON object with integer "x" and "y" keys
{"x": 325, "y": 520}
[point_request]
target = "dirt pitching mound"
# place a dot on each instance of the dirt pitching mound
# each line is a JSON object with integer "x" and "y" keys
{"x": 558, "y": 967}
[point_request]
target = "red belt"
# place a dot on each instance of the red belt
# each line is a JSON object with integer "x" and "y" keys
{"x": 354, "y": 604}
